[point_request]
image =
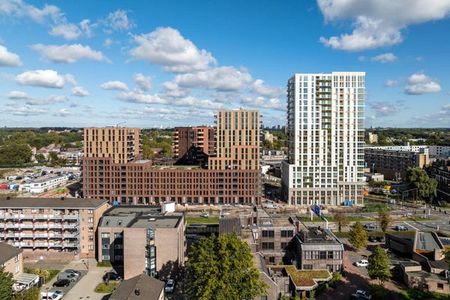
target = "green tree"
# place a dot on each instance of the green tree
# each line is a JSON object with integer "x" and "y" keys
{"x": 358, "y": 236}
{"x": 384, "y": 218}
{"x": 40, "y": 158}
{"x": 6, "y": 283}
{"x": 30, "y": 294}
{"x": 425, "y": 185}
{"x": 222, "y": 268}
{"x": 15, "y": 154}
{"x": 379, "y": 265}
{"x": 341, "y": 219}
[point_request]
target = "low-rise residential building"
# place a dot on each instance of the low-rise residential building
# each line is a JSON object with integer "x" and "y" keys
{"x": 394, "y": 164}
{"x": 318, "y": 249}
{"x": 141, "y": 239}
{"x": 440, "y": 171}
{"x": 414, "y": 276}
{"x": 11, "y": 259}
{"x": 139, "y": 287}
{"x": 49, "y": 226}
{"x": 45, "y": 184}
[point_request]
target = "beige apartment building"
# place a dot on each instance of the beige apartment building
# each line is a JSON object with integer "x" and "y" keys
{"x": 51, "y": 226}
{"x": 141, "y": 239}
{"x": 118, "y": 143}
{"x": 238, "y": 140}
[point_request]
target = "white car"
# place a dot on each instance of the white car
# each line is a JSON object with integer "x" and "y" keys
{"x": 360, "y": 294}
{"x": 362, "y": 263}
{"x": 52, "y": 295}
{"x": 170, "y": 286}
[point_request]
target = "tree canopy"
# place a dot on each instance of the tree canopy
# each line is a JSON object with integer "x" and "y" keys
{"x": 6, "y": 283}
{"x": 358, "y": 236}
{"x": 14, "y": 153}
{"x": 425, "y": 185}
{"x": 379, "y": 265}
{"x": 341, "y": 219}
{"x": 222, "y": 268}
{"x": 384, "y": 218}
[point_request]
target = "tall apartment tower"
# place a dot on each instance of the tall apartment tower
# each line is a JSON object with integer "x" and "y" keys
{"x": 119, "y": 143}
{"x": 325, "y": 126}
{"x": 202, "y": 137}
{"x": 237, "y": 140}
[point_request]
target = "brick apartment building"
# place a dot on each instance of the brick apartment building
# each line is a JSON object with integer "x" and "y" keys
{"x": 141, "y": 239}
{"x": 48, "y": 226}
{"x": 200, "y": 137}
{"x": 230, "y": 176}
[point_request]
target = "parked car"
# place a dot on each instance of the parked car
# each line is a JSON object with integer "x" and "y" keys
{"x": 380, "y": 239}
{"x": 170, "y": 286}
{"x": 372, "y": 239}
{"x": 361, "y": 294}
{"x": 111, "y": 276}
{"x": 62, "y": 283}
{"x": 401, "y": 228}
{"x": 72, "y": 277}
{"x": 370, "y": 226}
{"x": 362, "y": 263}
{"x": 52, "y": 295}
{"x": 72, "y": 271}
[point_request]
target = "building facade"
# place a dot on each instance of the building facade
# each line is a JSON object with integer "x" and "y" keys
{"x": 11, "y": 259}
{"x": 200, "y": 137}
{"x": 394, "y": 164}
{"x": 325, "y": 125}
{"x": 231, "y": 176}
{"x": 48, "y": 226}
{"x": 118, "y": 143}
{"x": 141, "y": 239}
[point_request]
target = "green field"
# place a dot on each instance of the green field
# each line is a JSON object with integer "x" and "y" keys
{"x": 202, "y": 220}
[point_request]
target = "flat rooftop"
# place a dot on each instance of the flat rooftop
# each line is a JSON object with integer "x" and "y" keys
{"x": 47, "y": 178}
{"x": 75, "y": 203}
{"x": 132, "y": 209}
{"x": 156, "y": 222}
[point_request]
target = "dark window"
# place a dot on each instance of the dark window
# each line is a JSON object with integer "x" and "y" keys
{"x": 267, "y": 233}
{"x": 272, "y": 260}
{"x": 440, "y": 286}
{"x": 330, "y": 254}
{"x": 322, "y": 255}
{"x": 267, "y": 246}
{"x": 283, "y": 245}
{"x": 287, "y": 233}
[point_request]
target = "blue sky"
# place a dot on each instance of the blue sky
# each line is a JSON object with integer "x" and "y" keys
{"x": 169, "y": 63}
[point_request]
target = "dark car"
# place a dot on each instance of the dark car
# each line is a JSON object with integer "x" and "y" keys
{"x": 111, "y": 276}
{"x": 62, "y": 283}
{"x": 372, "y": 239}
{"x": 380, "y": 239}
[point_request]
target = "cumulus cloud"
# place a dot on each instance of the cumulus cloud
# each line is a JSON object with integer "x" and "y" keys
{"x": 23, "y": 111}
{"x": 439, "y": 118}
{"x": 18, "y": 8}
{"x": 139, "y": 97}
{"x": 63, "y": 112}
{"x": 42, "y": 78}
{"x": 168, "y": 48}
{"x": 378, "y": 23}
{"x": 143, "y": 82}
{"x": 9, "y": 59}
{"x": 114, "y": 85}
{"x": 118, "y": 20}
{"x": 385, "y": 109}
{"x": 68, "y": 31}
{"x": 80, "y": 91}
{"x": 385, "y": 58}
{"x": 261, "y": 89}
{"x": 419, "y": 83}
{"x": 28, "y": 100}
{"x": 220, "y": 78}
{"x": 68, "y": 53}
{"x": 391, "y": 83}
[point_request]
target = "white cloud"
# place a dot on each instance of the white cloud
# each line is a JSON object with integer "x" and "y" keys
{"x": 168, "y": 48}
{"x": 385, "y": 58}
{"x": 23, "y": 111}
{"x": 68, "y": 53}
{"x": 139, "y": 97}
{"x": 19, "y": 8}
{"x": 86, "y": 27}
{"x": 79, "y": 91}
{"x": 220, "y": 78}
{"x": 261, "y": 102}
{"x": 143, "y": 82}
{"x": 419, "y": 83}
{"x": 108, "y": 42}
{"x": 63, "y": 112}
{"x": 384, "y": 109}
{"x": 9, "y": 59}
{"x": 439, "y": 118}
{"x": 118, "y": 20}
{"x": 114, "y": 85}
{"x": 260, "y": 88}
{"x": 391, "y": 83}
{"x": 17, "y": 95}
{"x": 42, "y": 78}
{"x": 378, "y": 23}
{"x": 68, "y": 31}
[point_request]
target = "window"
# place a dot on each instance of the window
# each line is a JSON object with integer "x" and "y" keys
{"x": 307, "y": 267}
{"x": 272, "y": 259}
{"x": 330, "y": 254}
{"x": 267, "y": 233}
{"x": 267, "y": 246}
{"x": 91, "y": 220}
{"x": 105, "y": 235}
{"x": 440, "y": 286}
{"x": 283, "y": 245}
{"x": 322, "y": 255}
{"x": 16, "y": 258}
{"x": 91, "y": 247}
{"x": 287, "y": 233}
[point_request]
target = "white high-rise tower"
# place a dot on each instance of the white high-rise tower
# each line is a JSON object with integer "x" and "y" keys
{"x": 325, "y": 125}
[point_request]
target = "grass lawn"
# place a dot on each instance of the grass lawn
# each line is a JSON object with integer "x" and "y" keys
{"x": 106, "y": 288}
{"x": 415, "y": 294}
{"x": 52, "y": 275}
{"x": 104, "y": 264}
{"x": 202, "y": 220}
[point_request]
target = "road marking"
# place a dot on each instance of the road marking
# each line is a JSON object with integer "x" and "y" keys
{"x": 411, "y": 226}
